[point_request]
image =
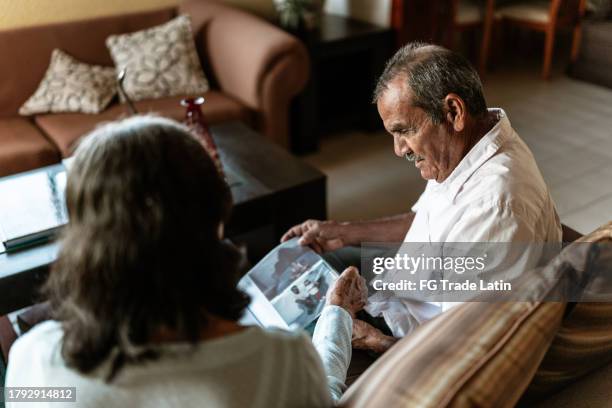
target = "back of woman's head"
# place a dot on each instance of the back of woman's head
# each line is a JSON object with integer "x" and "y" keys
{"x": 142, "y": 250}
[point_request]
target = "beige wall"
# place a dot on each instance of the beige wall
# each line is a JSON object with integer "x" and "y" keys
{"x": 374, "y": 11}
{"x": 21, "y": 13}
{"x": 264, "y": 8}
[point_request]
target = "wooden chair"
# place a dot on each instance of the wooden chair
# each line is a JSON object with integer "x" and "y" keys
{"x": 441, "y": 21}
{"x": 414, "y": 20}
{"x": 472, "y": 15}
{"x": 547, "y": 17}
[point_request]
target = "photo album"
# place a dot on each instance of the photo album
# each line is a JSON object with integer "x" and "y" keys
{"x": 288, "y": 287}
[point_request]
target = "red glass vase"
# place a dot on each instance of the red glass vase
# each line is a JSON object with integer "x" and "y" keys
{"x": 196, "y": 122}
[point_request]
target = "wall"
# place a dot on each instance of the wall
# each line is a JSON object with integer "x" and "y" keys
{"x": 21, "y": 13}
{"x": 264, "y": 8}
{"x": 374, "y": 11}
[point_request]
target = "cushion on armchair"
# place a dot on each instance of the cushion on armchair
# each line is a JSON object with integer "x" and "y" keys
{"x": 485, "y": 354}
{"x": 70, "y": 85}
{"x": 480, "y": 354}
{"x": 476, "y": 354}
{"x": 584, "y": 341}
{"x": 161, "y": 61}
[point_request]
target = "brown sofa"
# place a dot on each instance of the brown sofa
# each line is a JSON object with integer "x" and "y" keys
{"x": 254, "y": 69}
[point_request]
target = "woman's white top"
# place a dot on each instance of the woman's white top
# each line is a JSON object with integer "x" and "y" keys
{"x": 252, "y": 368}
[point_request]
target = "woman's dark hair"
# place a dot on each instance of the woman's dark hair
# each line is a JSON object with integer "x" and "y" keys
{"x": 142, "y": 250}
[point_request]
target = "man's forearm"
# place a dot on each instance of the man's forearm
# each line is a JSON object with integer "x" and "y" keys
{"x": 388, "y": 229}
{"x": 383, "y": 344}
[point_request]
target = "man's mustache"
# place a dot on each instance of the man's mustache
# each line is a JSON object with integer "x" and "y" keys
{"x": 411, "y": 157}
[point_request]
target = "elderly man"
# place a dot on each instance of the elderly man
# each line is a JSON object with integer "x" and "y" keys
{"x": 483, "y": 182}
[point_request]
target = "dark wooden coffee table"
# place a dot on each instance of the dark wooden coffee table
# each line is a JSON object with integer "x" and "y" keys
{"x": 273, "y": 191}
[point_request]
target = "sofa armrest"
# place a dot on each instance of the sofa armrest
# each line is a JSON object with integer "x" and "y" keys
{"x": 251, "y": 60}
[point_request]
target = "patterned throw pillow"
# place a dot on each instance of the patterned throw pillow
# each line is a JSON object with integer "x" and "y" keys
{"x": 160, "y": 61}
{"x": 583, "y": 344}
{"x": 72, "y": 86}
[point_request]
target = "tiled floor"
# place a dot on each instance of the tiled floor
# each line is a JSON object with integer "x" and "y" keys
{"x": 566, "y": 123}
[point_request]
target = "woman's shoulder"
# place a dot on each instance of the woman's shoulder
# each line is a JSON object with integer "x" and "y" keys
{"x": 43, "y": 336}
{"x": 40, "y": 347}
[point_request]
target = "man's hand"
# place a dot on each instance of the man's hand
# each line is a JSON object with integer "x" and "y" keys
{"x": 367, "y": 337}
{"x": 349, "y": 292}
{"x": 321, "y": 236}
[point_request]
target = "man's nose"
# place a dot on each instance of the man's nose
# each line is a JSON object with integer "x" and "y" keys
{"x": 400, "y": 146}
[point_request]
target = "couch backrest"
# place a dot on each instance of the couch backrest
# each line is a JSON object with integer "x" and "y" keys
{"x": 25, "y": 52}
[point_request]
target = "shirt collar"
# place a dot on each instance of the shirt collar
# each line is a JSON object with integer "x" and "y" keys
{"x": 482, "y": 151}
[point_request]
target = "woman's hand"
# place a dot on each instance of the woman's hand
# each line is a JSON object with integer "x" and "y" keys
{"x": 349, "y": 292}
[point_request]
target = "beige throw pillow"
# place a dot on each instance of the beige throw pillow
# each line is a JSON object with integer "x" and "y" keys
{"x": 160, "y": 61}
{"x": 72, "y": 86}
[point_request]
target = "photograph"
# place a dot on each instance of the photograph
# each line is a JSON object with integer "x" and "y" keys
{"x": 302, "y": 301}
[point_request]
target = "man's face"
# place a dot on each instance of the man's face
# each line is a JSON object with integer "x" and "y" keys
{"x": 414, "y": 133}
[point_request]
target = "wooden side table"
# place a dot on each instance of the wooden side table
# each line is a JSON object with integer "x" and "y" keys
{"x": 347, "y": 56}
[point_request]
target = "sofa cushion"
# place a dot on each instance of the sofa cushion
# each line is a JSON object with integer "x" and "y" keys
{"x": 476, "y": 354}
{"x": 160, "y": 61}
{"x": 23, "y": 147}
{"x": 72, "y": 86}
{"x": 26, "y": 51}
{"x": 583, "y": 343}
{"x": 65, "y": 128}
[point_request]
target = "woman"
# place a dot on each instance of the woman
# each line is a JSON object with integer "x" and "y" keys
{"x": 144, "y": 290}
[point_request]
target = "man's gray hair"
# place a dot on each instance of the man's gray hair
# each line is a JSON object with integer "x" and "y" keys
{"x": 432, "y": 72}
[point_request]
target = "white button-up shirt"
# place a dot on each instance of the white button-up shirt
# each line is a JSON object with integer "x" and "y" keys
{"x": 495, "y": 194}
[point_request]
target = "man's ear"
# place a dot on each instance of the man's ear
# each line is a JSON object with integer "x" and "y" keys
{"x": 455, "y": 111}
